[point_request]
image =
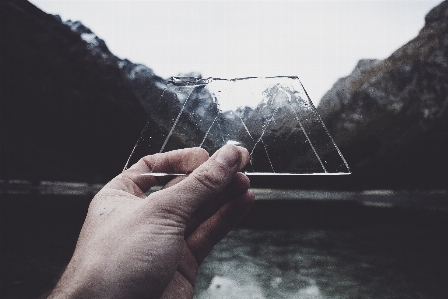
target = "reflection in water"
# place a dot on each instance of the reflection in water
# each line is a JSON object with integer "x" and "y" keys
{"x": 322, "y": 264}
{"x": 328, "y": 245}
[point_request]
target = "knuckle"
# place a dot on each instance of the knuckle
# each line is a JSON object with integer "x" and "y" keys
{"x": 209, "y": 180}
{"x": 146, "y": 161}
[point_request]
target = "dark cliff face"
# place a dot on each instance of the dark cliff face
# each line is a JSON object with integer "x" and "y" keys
{"x": 70, "y": 109}
{"x": 390, "y": 117}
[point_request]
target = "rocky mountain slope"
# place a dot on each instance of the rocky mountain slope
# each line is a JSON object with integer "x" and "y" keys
{"x": 390, "y": 117}
{"x": 69, "y": 109}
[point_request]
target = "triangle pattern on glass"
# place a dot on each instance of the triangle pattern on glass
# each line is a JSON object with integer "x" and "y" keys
{"x": 272, "y": 117}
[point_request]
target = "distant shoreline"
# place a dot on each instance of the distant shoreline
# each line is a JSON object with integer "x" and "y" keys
{"x": 426, "y": 199}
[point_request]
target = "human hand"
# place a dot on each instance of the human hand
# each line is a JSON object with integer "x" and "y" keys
{"x": 137, "y": 246}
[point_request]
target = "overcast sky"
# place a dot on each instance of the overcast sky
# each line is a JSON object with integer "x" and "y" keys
{"x": 319, "y": 41}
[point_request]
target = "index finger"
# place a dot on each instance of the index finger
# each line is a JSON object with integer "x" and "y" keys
{"x": 179, "y": 161}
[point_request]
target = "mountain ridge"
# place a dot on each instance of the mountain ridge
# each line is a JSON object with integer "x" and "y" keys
{"x": 66, "y": 103}
{"x": 71, "y": 110}
{"x": 389, "y": 116}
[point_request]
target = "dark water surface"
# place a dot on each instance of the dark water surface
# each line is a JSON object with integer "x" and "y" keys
{"x": 320, "y": 246}
{"x": 311, "y": 263}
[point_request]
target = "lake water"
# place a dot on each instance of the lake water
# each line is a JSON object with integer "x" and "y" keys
{"x": 293, "y": 244}
{"x": 357, "y": 263}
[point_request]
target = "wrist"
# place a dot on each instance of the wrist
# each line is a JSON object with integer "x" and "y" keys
{"x": 94, "y": 280}
{"x": 81, "y": 282}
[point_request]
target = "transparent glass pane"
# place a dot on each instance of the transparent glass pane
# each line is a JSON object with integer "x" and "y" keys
{"x": 272, "y": 117}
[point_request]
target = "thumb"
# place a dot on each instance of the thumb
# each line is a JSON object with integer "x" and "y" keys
{"x": 205, "y": 182}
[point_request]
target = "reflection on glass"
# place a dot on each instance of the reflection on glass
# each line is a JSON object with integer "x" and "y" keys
{"x": 272, "y": 117}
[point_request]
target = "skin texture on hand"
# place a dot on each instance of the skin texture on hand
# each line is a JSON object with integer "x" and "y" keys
{"x": 138, "y": 246}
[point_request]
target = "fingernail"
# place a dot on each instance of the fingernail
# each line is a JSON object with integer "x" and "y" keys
{"x": 228, "y": 155}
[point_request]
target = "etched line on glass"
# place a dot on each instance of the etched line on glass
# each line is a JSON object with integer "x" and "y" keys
{"x": 325, "y": 128}
{"x": 267, "y": 154}
{"x": 203, "y": 140}
{"x": 308, "y": 138}
{"x": 247, "y": 130}
{"x": 129, "y": 158}
{"x": 177, "y": 120}
{"x": 208, "y": 127}
{"x": 141, "y": 134}
{"x": 220, "y": 130}
{"x": 261, "y": 138}
{"x": 172, "y": 129}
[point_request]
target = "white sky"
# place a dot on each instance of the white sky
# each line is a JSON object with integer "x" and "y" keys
{"x": 319, "y": 41}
